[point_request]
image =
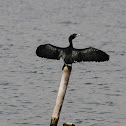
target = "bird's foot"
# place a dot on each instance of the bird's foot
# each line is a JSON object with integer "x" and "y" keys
{"x": 68, "y": 65}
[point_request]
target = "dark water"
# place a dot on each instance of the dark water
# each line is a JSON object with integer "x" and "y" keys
{"x": 96, "y": 95}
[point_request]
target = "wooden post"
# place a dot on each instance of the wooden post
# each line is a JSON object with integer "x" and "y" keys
{"x": 68, "y": 124}
{"x": 61, "y": 95}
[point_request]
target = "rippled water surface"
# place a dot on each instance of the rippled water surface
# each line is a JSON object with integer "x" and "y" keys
{"x": 96, "y": 94}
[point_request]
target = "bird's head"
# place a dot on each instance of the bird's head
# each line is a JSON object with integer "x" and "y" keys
{"x": 73, "y": 36}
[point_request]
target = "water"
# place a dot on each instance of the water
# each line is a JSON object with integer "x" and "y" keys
{"x": 96, "y": 95}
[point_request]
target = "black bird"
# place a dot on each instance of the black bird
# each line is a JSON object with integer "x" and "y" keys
{"x": 70, "y": 54}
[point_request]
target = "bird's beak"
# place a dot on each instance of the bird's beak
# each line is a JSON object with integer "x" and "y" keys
{"x": 78, "y": 35}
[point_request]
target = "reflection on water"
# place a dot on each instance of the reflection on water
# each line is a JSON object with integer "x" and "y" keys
{"x": 29, "y": 84}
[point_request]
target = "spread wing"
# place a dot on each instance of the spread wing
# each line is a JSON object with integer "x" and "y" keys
{"x": 49, "y": 51}
{"x": 89, "y": 54}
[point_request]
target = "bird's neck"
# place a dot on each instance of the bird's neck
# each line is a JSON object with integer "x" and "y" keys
{"x": 71, "y": 44}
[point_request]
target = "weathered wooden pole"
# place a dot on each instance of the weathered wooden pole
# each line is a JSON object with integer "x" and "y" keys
{"x": 61, "y": 95}
{"x": 68, "y": 124}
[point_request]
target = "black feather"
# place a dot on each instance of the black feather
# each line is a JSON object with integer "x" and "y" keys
{"x": 70, "y": 54}
{"x": 49, "y": 51}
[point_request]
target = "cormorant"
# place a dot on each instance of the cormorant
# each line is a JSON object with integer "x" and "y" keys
{"x": 70, "y": 54}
